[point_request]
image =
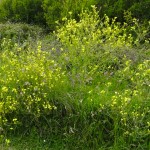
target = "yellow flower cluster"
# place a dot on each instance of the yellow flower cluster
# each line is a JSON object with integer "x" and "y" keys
{"x": 28, "y": 81}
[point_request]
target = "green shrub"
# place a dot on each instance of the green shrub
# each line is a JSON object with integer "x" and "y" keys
{"x": 91, "y": 87}
{"x": 29, "y": 83}
{"x": 29, "y": 11}
{"x": 47, "y": 12}
{"x": 116, "y": 8}
{"x": 140, "y": 10}
{"x": 56, "y": 10}
{"x": 93, "y": 43}
{"x": 97, "y": 56}
{"x": 20, "y": 33}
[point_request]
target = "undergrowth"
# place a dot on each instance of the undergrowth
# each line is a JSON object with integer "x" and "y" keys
{"x": 89, "y": 91}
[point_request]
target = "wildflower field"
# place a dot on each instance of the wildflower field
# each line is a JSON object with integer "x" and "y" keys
{"x": 84, "y": 86}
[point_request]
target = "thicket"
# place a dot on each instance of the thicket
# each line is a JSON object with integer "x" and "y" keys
{"x": 47, "y": 12}
{"x": 28, "y": 11}
{"x": 20, "y": 32}
{"x": 91, "y": 90}
{"x": 119, "y": 8}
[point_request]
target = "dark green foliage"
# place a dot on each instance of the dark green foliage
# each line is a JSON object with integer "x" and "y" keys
{"x": 29, "y": 11}
{"x": 116, "y": 8}
{"x": 141, "y": 9}
{"x": 47, "y": 12}
{"x": 56, "y": 10}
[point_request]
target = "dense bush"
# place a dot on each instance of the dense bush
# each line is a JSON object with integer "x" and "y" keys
{"x": 56, "y": 10}
{"x": 29, "y": 83}
{"x": 93, "y": 41}
{"x": 29, "y": 11}
{"x": 116, "y": 8}
{"x": 47, "y": 12}
{"x": 92, "y": 88}
{"x": 20, "y": 31}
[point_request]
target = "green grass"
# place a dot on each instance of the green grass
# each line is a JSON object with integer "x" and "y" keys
{"x": 80, "y": 88}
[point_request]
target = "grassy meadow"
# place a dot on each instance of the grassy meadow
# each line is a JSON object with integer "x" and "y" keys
{"x": 86, "y": 86}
